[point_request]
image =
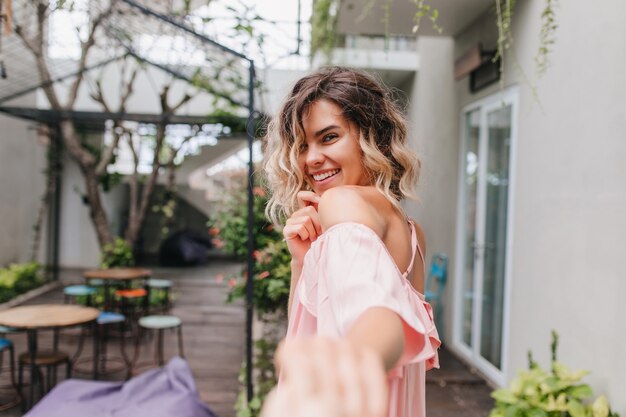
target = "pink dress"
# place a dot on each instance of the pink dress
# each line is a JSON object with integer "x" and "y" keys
{"x": 347, "y": 270}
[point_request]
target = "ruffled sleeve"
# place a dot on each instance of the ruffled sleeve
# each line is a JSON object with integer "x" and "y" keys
{"x": 349, "y": 270}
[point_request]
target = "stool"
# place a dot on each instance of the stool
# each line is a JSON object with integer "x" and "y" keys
{"x": 160, "y": 288}
{"x": 104, "y": 320}
{"x": 128, "y": 301}
{"x": 50, "y": 360}
{"x": 161, "y": 323}
{"x": 78, "y": 291}
{"x": 6, "y": 344}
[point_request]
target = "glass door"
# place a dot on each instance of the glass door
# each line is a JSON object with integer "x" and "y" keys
{"x": 483, "y": 236}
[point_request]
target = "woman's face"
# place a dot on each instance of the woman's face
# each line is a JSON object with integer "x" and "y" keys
{"x": 331, "y": 155}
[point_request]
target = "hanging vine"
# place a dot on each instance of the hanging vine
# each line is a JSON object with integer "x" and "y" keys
{"x": 324, "y": 18}
{"x": 426, "y": 10}
{"x": 547, "y": 36}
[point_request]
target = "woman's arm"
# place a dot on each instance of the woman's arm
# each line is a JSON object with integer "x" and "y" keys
{"x": 377, "y": 329}
{"x": 296, "y": 270}
{"x": 301, "y": 229}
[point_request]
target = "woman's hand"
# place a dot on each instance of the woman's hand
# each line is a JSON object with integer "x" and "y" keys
{"x": 303, "y": 226}
{"x": 323, "y": 377}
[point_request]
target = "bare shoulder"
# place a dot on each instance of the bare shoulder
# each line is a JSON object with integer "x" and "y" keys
{"x": 349, "y": 204}
{"x": 421, "y": 238}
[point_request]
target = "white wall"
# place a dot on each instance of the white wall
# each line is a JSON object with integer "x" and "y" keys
{"x": 570, "y": 198}
{"x": 22, "y": 183}
{"x": 78, "y": 242}
{"x": 433, "y": 132}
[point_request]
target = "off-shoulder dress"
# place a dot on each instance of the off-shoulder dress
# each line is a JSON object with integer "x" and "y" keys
{"x": 347, "y": 270}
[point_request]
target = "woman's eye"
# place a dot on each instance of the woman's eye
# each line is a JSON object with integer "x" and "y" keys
{"x": 329, "y": 137}
{"x": 303, "y": 147}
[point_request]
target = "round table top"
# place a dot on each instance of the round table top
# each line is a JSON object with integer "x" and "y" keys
{"x": 120, "y": 274}
{"x": 47, "y": 316}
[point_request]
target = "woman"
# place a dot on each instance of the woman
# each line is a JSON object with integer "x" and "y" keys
{"x": 360, "y": 336}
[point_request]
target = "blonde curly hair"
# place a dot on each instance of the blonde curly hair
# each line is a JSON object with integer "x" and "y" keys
{"x": 392, "y": 165}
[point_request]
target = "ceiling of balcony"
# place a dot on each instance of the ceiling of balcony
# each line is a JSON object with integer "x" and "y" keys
{"x": 454, "y": 16}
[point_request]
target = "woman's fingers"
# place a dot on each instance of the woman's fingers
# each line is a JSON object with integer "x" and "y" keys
{"x": 343, "y": 379}
{"x": 307, "y": 198}
{"x": 374, "y": 382}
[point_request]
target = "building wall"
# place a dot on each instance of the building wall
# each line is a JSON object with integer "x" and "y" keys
{"x": 570, "y": 199}
{"x": 22, "y": 183}
{"x": 433, "y": 134}
{"x": 78, "y": 242}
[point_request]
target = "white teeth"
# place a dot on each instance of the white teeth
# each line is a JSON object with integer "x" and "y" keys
{"x": 325, "y": 175}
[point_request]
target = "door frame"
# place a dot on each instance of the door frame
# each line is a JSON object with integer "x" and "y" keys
{"x": 472, "y": 356}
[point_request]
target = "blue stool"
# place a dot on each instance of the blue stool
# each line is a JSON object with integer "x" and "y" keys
{"x": 161, "y": 323}
{"x": 104, "y": 320}
{"x": 6, "y": 344}
{"x": 73, "y": 291}
{"x": 435, "y": 284}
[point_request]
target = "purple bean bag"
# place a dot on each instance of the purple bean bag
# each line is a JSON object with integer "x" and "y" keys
{"x": 164, "y": 392}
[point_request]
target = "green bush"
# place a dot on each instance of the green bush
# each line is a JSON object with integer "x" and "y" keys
{"x": 272, "y": 270}
{"x": 117, "y": 254}
{"x": 555, "y": 393}
{"x": 17, "y": 279}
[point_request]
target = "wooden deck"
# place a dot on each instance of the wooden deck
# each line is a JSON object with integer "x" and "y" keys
{"x": 213, "y": 334}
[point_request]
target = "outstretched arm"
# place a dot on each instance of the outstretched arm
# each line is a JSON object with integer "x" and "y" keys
{"x": 344, "y": 377}
{"x": 377, "y": 329}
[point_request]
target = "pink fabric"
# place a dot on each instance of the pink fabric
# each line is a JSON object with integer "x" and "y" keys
{"x": 348, "y": 270}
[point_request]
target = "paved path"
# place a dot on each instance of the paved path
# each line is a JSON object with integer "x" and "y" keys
{"x": 214, "y": 333}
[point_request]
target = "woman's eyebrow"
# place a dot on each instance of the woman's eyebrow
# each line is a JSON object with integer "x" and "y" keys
{"x": 326, "y": 129}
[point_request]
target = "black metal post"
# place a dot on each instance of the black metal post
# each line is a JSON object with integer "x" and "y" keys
{"x": 250, "y": 281}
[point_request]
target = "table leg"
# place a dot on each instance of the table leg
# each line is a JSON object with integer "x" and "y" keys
{"x": 96, "y": 350}
{"x": 34, "y": 375}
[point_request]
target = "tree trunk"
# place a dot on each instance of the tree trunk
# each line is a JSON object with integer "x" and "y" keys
{"x": 87, "y": 164}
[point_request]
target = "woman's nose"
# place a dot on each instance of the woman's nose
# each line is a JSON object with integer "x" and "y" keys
{"x": 314, "y": 156}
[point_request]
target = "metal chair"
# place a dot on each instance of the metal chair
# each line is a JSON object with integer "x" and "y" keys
{"x": 159, "y": 290}
{"x": 7, "y": 345}
{"x": 160, "y": 324}
{"x": 435, "y": 284}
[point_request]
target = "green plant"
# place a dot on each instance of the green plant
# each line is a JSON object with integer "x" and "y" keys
{"x": 272, "y": 276}
{"x": 117, "y": 254}
{"x": 323, "y": 22}
{"x": 17, "y": 279}
{"x": 265, "y": 379}
{"x": 272, "y": 271}
{"x": 555, "y": 393}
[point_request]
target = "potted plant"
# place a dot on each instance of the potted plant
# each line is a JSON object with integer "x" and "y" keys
{"x": 555, "y": 393}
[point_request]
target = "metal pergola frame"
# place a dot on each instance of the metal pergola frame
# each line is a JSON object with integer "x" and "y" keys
{"x": 91, "y": 120}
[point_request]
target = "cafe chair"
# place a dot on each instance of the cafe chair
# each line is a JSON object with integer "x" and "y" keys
{"x": 435, "y": 284}
{"x": 160, "y": 293}
{"x": 49, "y": 360}
{"x": 7, "y": 345}
{"x": 132, "y": 303}
{"x": 71, "y": 293}
{"x": 159, "y": 323}
{"x": 105, "y": 320}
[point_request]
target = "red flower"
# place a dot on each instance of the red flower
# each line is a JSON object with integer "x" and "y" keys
{"x": 218, "y": 243}
{"x": 214, "y": 231}
{"x": 269, "y": 227}
{"x": 258, "y": 191}
{"x": 232, "y": 282}
{"x": 264, "y": 274}
{"x": 256, "y": 254}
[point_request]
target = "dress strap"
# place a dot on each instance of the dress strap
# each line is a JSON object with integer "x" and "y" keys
{"x": 414, "y": 246}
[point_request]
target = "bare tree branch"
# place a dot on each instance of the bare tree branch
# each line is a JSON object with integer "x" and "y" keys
{"x": 84, "y": 51}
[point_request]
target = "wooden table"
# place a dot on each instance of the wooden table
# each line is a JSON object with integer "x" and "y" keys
{"x": 45, "y": 316}
{"x": 116, "y": 274}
